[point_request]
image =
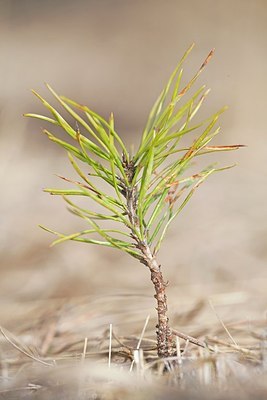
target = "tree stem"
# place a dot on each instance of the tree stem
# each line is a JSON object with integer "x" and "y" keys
{"x": 164, "y": 333}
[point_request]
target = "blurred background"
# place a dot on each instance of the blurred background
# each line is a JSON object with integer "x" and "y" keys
{"x": 116, "y": 55}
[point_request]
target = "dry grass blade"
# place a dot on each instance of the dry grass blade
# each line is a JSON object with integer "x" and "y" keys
{"x": 110, "y": 346}
{"x": 23, "y": 351}
{"x": 190, "y": 339}
{"x": 84, "y": 349}
{"x": 223, "y": 324}
{"x": 140, "y": 340}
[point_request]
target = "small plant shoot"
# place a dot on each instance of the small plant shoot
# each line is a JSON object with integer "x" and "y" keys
{"x": 145, "y": 190}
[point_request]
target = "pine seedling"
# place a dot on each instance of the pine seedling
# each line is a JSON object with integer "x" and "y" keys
{"x": 148, "y": 189}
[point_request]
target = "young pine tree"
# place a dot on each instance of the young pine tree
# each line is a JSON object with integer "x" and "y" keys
{"x": 147, "y": 189}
